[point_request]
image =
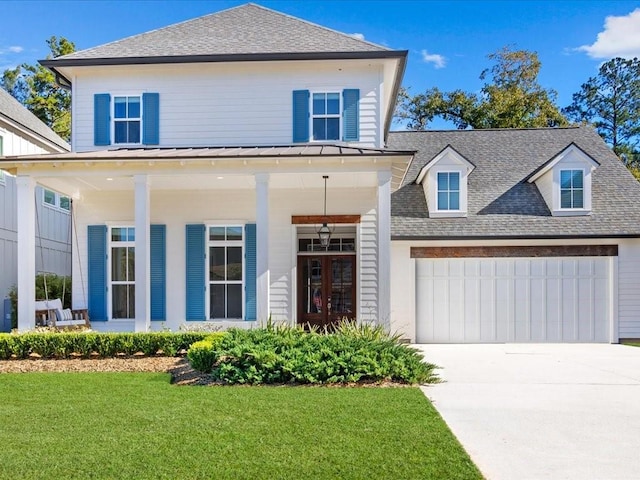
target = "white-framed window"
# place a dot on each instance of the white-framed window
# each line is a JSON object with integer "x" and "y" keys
{"x": 325, "y": 116}
{"x": 56, "y": 200}
{"x": 448, "y": 195}
{"x": 225, "y": 266}
{"x": 122, "y": 287}
{"x": 127, "y": 119}
{"x": 571, "y": 189}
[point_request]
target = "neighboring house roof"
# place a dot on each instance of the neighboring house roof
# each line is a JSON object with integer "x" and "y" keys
{"x": 501, "y": 203}
{"x": 244, "y": 30}
{"x": 13, "y": 111}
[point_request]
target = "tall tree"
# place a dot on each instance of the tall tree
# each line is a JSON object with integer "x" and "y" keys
{"x": 611, "y": 102}
{"x": 510, "y": 98}
{"x": 36, "y": 88}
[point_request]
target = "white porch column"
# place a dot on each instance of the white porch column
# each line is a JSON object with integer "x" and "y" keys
{"x": 143, "y": 253}
{"x": 26, "y": 252}
{"x": 384, "y": 248}
{"x": 262, "y": 247}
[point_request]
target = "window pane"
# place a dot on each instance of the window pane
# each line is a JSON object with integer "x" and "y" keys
{"x": 120, "y": 107}
{"x": 333, "y": 103}
{"x": 565, "y": 198}
{"x": 319, "y": 104}
{"x": 118, "y": 234}
{"x": 119, "y": 301}
{"x": 217, "y": 301}
{"x": 234, "y": 301}
{"x": 443, "y": 181}
{"x": 65, "y": 203}
{"x": 565, "y": 179}
{"x": 131, "y": 290}
{"x": 216, "y": 233}
{"x": 234, "y": 263}
{"x": 134, "y": 132}
{"x": 319, "y": 129}
{"x": 131, "y": 234}
{"x": 454, "y": 201}
{"x": 234, "y": 233}
{"x": 119, "y": 264}
{"x": 49, "y": 197}
{"x": 304, "y": 245}
{"x": 120, "y": 132}
{"x": 443, "y": 201}
{"x": 454, "y": 181}
{"x": 131, "y": 264}
{"x": 216, "y": 264}
{"x": 333, "y": 129}
{"x": 577, "y": 179}
{"x": 577, "y": 199}
{"x": 134, "y": 107}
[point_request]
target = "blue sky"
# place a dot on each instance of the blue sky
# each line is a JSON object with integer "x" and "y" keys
{"x": 447, "y": 41}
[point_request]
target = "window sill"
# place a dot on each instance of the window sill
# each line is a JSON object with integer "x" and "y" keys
{"x": 447, "y": 214}
{"x": 571, "y": 212}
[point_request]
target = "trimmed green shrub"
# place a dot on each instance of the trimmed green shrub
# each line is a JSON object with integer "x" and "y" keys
{"x": 285, "y": 354}
{"x": 202, "y": 355}
{"x": 65, "y": 344}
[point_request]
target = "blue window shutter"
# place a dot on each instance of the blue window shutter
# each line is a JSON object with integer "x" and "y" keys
{"x": 151, "y": 118}
{"x": 195, "y": 272}
{"x": 97, "y": 278}
{"x": 101, "y": 119}
{"x": 350, "y": 115}
{"x": 301, "y": 115}
{"x": 250, "y": 271}
{"x": 158, "y": 272}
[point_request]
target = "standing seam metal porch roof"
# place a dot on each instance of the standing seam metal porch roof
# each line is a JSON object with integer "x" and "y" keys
{"x": 501, "y": 203}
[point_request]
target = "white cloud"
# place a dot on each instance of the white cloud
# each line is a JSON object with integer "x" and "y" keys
{"x": 15, "y": 49}
{"x": 438, "y": 60}
{"x": 359, "y": 36}
{"x": 620, "y": 38}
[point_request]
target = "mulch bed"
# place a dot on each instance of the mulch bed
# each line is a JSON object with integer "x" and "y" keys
{"x": 179, "y": 368}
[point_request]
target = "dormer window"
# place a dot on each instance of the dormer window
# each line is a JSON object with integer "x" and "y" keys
{"x": 564, "y": 182}
{"x": 444, "y": 180}
{"x": 448, "y": 190}
{"x": 571, "y": 189}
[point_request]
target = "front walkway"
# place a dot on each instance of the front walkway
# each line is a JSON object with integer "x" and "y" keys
{"x": 542, "y": 411}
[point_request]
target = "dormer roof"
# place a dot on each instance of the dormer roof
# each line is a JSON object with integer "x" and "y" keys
{"x": 572, "y": 149}
{"x": 447, "y": 152}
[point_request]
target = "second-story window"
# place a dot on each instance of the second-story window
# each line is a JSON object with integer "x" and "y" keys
{"x": 325, "y": 113}
{"x": 126, "y": 119}
{"x": 571, "y": 189}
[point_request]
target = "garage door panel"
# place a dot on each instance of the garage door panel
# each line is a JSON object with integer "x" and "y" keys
{"x": 513, "y": 299}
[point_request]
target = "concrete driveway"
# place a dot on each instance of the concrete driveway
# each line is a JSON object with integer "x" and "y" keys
{"x": 542, "y": 411}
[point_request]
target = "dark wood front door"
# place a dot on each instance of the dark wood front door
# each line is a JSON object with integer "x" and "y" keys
{"x": 326, "y": 289}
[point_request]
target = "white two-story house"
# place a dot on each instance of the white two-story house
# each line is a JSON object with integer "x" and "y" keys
{"x": 226, "y": 169}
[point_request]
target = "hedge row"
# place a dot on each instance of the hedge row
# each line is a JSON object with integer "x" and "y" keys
{"x": 292, "y": 356}
{"x": 67, "y": 344}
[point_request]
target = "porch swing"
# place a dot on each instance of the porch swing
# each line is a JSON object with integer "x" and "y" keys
{"x": 50, "y": 312}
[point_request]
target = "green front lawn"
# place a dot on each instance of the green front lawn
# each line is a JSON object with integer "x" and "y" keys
{"x": 134, "y": 425}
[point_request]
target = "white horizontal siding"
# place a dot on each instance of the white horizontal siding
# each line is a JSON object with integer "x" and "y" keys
{"x": 227, "y": 104}
{"x": 175, "y": 209}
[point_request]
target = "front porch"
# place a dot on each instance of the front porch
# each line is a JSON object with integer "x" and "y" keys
{"x": 162, "y": 242}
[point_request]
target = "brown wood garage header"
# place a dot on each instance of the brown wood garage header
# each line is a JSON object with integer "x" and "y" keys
{"x": 510, "y": 251}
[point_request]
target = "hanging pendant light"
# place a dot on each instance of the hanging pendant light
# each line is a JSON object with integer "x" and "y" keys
{"x": 324, "y": 234}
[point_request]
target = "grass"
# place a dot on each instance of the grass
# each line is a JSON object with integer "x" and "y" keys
{"x": 135, "y": 425}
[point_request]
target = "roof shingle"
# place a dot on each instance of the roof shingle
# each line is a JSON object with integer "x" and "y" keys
{"x": 246, "y": 29}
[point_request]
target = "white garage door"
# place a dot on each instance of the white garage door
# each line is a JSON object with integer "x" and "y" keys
{"x": 479, "y": 300}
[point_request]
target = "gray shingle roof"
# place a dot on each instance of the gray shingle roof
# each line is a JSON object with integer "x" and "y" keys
{"x": 13, "y": 110}
{"x": 247, "y": 29}
{"x": 500, "y": 201}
